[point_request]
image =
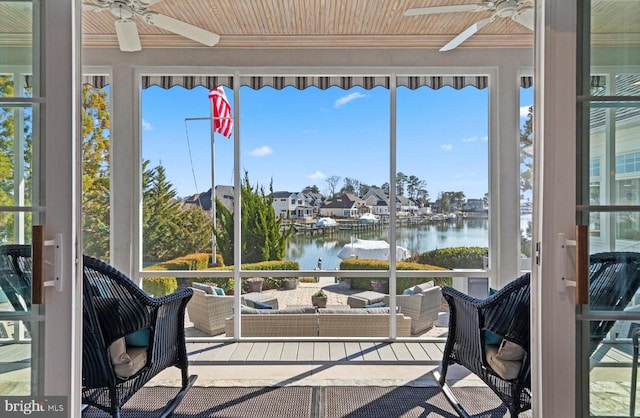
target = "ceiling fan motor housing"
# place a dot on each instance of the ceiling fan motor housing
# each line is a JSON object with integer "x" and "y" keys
{"x": 506, "y": 8}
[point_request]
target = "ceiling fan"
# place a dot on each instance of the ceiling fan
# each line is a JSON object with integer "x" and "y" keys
{"x": 520, "y": 11}
{"x": 126, "y": 28}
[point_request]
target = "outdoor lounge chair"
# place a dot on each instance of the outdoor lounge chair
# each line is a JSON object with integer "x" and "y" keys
{"x": 115, "y": 367}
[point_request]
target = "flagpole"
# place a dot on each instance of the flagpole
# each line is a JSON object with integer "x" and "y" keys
{"x": 213, "y": 191}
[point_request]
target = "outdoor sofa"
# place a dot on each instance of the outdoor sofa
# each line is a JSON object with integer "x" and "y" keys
{"x": 306, "y": 322}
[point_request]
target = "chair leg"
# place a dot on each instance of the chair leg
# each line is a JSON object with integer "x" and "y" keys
{"x": 171, "y": 406}
{"x": 634, "y": 374}
{"x": 450, "y": 396}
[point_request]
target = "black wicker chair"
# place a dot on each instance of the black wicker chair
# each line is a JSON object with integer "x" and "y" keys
{"x": 15, "y": 275}
{"x": 506, "y": 314}
{"x": 614, "y": 278}
{"x": 113, "y": 307}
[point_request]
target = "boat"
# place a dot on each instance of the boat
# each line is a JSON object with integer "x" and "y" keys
{"x": 371, "y": 249}
{"x": 452, "y": 216}
{"x": 369, "y": 218}
{"x": 326, "y": 222}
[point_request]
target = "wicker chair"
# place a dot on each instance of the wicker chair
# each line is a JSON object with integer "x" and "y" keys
{"x": 114, "y": 307}
{"x": 15, "y": 280}
{"x": 506, "y": 313}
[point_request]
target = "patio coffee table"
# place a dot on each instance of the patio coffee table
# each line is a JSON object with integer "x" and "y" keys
{"x": 249, "y": 298}
{"x": 360, "y": 300}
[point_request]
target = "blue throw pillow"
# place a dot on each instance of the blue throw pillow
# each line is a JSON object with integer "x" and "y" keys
{"x": 138, "y": 338}
{"x": 219, "y": 291}
{"x": 260, "y": 305}
{"x": 408, "y": 291}
{"x": 376, "y": 305}
{"x": 489, "y": 337}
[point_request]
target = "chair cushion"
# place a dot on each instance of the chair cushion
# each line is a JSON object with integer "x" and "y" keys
{"x": 126, "y": 361}
{"x": 376, "y": 305}
{"x": 510, "y": 351}
{"x": 138, "y": 338}
{"x": 204, "y": 287}
{"x": 506, "y": 369}
{"x": 425, "y": 286}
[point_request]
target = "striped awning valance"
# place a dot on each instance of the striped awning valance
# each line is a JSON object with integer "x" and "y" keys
{"x": 302, "y": 82}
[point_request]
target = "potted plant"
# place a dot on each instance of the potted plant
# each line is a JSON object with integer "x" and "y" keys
{"x": 319, "y": 299}
{"x": 255, "y": 284}
{"x": 229, "y": 288}
{"x": 290, "y": 283}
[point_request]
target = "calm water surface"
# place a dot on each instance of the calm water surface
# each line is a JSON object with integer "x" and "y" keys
{"x": 307, "y": 249}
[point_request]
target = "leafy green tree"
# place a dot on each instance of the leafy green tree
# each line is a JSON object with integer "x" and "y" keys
{"x": 224, "y": 232}
{"x": 311, "y": 189}
{"x": 526, "y": 158}
{"x": 195, "y": 230}
{"x": 95, "y": 172}
{"x": 7, "y": 159}
{"x": 401, "y": 183}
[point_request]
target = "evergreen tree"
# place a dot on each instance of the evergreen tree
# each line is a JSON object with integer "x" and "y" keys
{"x": 262, "y": 238}
{"x": 160, "y": 216}
{"x": 95, "y": 172}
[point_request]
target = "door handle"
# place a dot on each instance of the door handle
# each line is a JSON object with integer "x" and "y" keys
{"x": 38, "y": 262}
{"x": 582, "y": 264}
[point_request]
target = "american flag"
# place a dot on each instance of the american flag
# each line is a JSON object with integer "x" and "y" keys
{"x": 221, "y": 112}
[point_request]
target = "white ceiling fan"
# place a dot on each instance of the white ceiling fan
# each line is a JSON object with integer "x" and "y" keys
{"x": 520, "y": 11}
{"x": 126, "y": 28}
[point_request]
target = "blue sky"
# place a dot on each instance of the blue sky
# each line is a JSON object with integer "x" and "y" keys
{"x": 298, "y": 138}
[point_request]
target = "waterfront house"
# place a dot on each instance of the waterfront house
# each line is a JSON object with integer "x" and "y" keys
{"x": 345, "y": 206}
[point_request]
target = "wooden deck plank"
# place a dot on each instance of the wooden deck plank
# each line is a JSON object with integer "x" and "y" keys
{"x": 432, "y": 351}
{"x": 369, "y": 351}
{"x": 417, "y": 352}
{"x": 290, "y": 351}
{"x": 386, "y": 352}
{"x": 321, "y": 351}
{"x": 305, "y": 351}
{"x": 241, "y": 352}
{"x": 337, "y": 351}
{"x": 223, "y": 353}
{"x": 353, "y": 351}
{"x": 257, "y": 351}
{"x": 274, "y": 351}
{"x": 401, "y": 351}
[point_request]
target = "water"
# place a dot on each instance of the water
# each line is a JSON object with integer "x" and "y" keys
{"x": 307, "y": 249}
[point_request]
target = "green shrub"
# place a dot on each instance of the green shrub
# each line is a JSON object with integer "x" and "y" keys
{"x": 455, "y": 257}
{"x": 159, "y": 286}
{"x": 401, "y": 282}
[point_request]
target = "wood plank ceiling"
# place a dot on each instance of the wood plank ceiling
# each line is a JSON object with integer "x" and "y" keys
{"x": 313, "y": 24}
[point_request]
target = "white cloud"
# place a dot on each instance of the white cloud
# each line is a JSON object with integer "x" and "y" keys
{"x": 485, "y": 138}
{"x": 446, "y": 147}
{"x": 524, "y": 111}
{"x": 146, "y": 126}
{"x": 261, "y": 152}
{"x": 318, "y": 175}
{"x": 470, "y": 139}
{"x": 346, "y": 99}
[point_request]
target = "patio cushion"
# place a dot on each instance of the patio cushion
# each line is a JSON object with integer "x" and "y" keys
{"x": 260, "y": 305}
{"x": 204, "y": 287}
{"x": 138, "y": 338}
{"x": 425, "y": 286}
{"x": 375, "y": 305}
{"x": 506, "y": 369}
{"x": 510, "y": 351}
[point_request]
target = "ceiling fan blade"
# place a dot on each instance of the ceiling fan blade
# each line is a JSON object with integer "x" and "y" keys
{"x": 447, "y": 9}
{"x": 92, "y": 6}
{"x": 466, "y": 34}
{"x": 182, "y": 28}
{"x": 128, "y": 35}
{"x": 525, "y": 17}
